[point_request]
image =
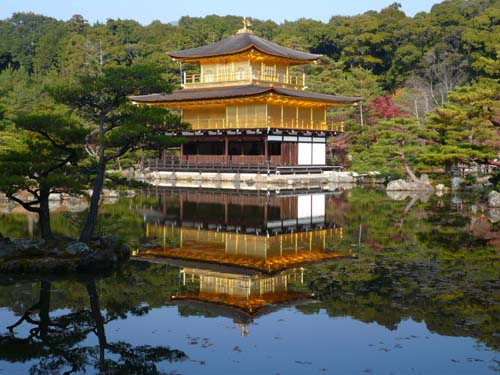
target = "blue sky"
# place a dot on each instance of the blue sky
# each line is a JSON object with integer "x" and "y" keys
{"x": 145, "y": 11}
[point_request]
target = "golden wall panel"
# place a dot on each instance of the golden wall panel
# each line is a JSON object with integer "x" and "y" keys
{"x": 256, "y": 116}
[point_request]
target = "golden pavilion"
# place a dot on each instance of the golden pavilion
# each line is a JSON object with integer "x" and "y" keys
{"x": 248, "y": 106}
{"x": 255, "y": 231}
{"x": 240, "y": 254}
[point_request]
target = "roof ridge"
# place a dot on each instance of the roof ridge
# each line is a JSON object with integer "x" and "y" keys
{"x": 243, "y": 42}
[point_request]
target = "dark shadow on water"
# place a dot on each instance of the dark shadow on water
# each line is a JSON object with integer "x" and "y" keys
{"x": 58, "y": 344}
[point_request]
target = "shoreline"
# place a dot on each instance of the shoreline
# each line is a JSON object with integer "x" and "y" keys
{"x": 61, "y": 255}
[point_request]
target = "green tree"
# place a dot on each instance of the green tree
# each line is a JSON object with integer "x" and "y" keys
{"x": 463, "y": 131}
{"x": 390, "y": 147}
{"x": 51, "y": 146}
{"x": 117, "y": 126}
{"x": 30, "y": 41}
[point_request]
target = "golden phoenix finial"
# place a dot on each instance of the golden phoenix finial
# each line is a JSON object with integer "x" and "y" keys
{"x": 247, "y": 26}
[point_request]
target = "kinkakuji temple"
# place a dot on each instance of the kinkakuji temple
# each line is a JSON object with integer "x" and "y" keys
{"x": 240, "y": 253}
{"x": 247, "y": 108}
{"x": 269, "y": 233}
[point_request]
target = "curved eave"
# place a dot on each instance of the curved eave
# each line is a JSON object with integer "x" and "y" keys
{"x": 240, "y": 43}
{"x": 182, "y": 98}
{"x": 325, "y": 99}
{"x": 239, "y": 315}
{"x": 186, "y": 98}
{"x": 251, "y": 304}
{"x": 201, "y": 58}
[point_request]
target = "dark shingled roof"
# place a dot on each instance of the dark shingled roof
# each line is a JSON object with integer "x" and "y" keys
{"x": 242, "y": 42}
{"x": 315, "y": 96}
{"x": 238, "y": 92}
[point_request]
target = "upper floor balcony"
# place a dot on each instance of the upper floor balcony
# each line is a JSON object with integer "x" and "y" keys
{"x": 225, "y": 124}
{"x": 244, "y": 77}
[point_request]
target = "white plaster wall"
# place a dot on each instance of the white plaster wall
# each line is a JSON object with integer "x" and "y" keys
{"x": 305, "y": 153}
{"x": 318, "y": 154}
{"x": 318, "y": 205}
{"x": 304, "y": 206}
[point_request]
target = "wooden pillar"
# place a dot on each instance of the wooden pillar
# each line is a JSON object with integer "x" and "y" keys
{"x": 265, "y": 211}
{"x": 297, "y": 118}
{"x": 226, "y": 150}
{"x": 266, "y": 149}
{"x": 226, "y": 210}
{"x": 284, "y": 153}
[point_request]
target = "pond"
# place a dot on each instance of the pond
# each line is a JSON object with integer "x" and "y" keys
{"x": 287, "y": 282}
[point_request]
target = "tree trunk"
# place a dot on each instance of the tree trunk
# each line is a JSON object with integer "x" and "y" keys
{"x": 449, "y": 167}
{"x": 91, "y": 220}
{"x": 99, "y": 322}
{"x": 44, "y": 214}
{"x": 406, "y": 210}
{"x": 407, "y": 168}
{"x": 45, "y": 288}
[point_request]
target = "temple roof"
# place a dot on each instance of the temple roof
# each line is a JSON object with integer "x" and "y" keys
{"x": 240, "y": 43}
{"x": 232, "y": 92}
{"x": 216, "y": 254}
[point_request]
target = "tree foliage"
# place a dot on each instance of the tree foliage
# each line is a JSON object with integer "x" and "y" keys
{"x": 389, "y": 147}
{"x": 59, "y": 342}
{"x": 117, "y": 126}
{"x": 44, "y": 162}
{"x": 464, "y": 129}
{"x": 415, "y": 62}
{"x": 453, "y": 38}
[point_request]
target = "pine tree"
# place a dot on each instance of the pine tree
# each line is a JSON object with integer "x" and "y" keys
{"x": 45, "y": 163}
{"x": 464, "y": 131}
{"x": 117, "y": 126}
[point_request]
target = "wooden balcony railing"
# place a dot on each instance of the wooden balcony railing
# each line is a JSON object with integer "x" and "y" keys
{"x": 207, "y": 123}
{"x": 257, "y": 166}
{"x": 292, "y": 80}
{"x": 337, "y": 127}
{"x": 222, "y": 123}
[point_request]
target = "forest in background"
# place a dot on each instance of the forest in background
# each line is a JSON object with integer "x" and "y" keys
{"x": 430, "y": 83}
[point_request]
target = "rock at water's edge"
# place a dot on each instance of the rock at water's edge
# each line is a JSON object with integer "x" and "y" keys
{"x": 61, "y": 255}
{"x": 494, "y": 215}
{"x": 424, "y": 179}
{"x": 109, "y": 193}
{"x": 440, "y": 187}
{"x": 403, "y": 185}
{"x": 77, "y": 247}
{"x": 129, "y": 193}
{"x": 494, "y": 199}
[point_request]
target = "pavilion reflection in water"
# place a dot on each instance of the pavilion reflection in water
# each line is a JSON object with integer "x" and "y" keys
{"x": 245, "y": 252}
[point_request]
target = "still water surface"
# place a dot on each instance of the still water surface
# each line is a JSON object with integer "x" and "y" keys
{"x": 282, "y": 283}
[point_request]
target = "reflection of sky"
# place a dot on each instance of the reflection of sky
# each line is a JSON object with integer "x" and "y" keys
{"x": 8, "y": 318}
{"x": 290, "y": 342}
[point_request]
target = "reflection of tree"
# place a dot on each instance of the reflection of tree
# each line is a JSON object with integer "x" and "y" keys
{"x": 54, "y": 341}
{"x": 451, "y": 300}
{"x": 417, "y": 260}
